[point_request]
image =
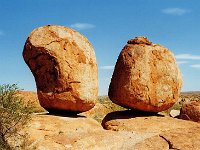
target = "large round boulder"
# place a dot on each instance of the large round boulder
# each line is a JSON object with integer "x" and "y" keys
{"x": 64, "y": 65}
{"x": 146, "y": 77}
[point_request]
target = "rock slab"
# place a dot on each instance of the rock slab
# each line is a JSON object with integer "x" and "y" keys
{"x": 143, "y": 132}
{"x": 79, "y": 133}
{"x": 146, "y": 77}
{"x": 177, "y": 133}
{"x": 64, "y": 65}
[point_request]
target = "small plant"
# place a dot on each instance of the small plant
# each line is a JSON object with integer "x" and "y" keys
{"x": 14, "y": 115}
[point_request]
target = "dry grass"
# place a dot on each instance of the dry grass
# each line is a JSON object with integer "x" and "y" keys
{"x": 31, "y": 97}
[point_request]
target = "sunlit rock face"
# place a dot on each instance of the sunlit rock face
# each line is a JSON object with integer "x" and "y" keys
{"x": 64, "y": 65}
{"x": 146, "y": 77}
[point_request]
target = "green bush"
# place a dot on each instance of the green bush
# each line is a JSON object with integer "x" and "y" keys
{"x": 14, "y": 116}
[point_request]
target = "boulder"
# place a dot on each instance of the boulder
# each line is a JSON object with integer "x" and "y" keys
{"x": 64, "y": 65}
{"x": 190, "y": 111}
{"x": 146, "y": 77}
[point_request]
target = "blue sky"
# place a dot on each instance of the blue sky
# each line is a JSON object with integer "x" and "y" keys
{"x": 108, "y": 24}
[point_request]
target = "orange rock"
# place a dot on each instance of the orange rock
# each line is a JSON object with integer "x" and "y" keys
{"x": 177, "y": 133}
{"x": 143, "y": 122}
{"x": 64, "y": 65}
{"x": 132, "y": 130}
{"x": 190, "y": 111}
{"x": 76, "y": 133}
{"x": 146, "y": 77}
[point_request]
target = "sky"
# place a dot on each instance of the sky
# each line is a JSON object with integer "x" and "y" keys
{"x": 108, "y": 25}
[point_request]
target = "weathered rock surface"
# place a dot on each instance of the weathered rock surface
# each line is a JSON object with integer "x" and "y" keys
{"x": 56, "y": 132}
{"x": 183, "y": 139}
{"x": 61, "y": 133}
{"x": 146, "y": 77}
{"x": 64, "y": 65}
{"x": 179, "y": 134}
{"x": 80, "y": 133}
{"x": 190, "y": 111}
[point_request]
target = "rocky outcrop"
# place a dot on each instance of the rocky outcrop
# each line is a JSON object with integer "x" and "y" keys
{"x": 76, "y": 132}
{"x": 79, "y": 133}
{"x": 124, "y": 130}
{"x": 190, "y": 111}
{"x": 64, "y": 65}
{"x": 179, "y": 134}
{"x": 146, "y": 77}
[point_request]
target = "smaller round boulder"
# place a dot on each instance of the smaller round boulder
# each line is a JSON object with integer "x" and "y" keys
{"x": 190, "y": 111}
{"x": 146, "y": 77}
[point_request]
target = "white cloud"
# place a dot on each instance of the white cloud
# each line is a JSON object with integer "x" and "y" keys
{"x": 175, "y": 11}
{"x": 182, "y": 62}
{"x": 195, "y": 66}
{"x": 106, "y": 67}
{"x": 188, "y": 57}
{"x": 82, "y": 26}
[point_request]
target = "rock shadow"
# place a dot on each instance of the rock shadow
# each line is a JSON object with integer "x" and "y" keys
{"x": 64, "y": 113}
{"x": 127, "y": 114}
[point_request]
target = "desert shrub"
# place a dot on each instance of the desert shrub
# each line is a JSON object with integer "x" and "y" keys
{"x": 14, "y": 115}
